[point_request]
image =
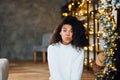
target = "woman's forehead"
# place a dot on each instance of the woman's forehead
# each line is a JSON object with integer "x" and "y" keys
{"x": 67, "y": 26}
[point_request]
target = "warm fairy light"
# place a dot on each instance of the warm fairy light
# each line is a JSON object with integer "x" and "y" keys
{"x": 69, "y": 7}
{"x": 99, "y": 43}
{"x": 90, "y": 32}
{"x": 90, "y": 1}
{"x": 80, "y": 12}
{"x": 76, "y": 14}
{"x": 65, "y": 14}
{"x": 92, "y": 13}
{"x": 91, "y": 48}
{"x": 78, "y": 3}
{"x": 82, "y": 3}
{"x": 72, "y": 4}
{"x": 85, "y": 25}
{"x": 85, "y": 61}
{"x": 90, "y": 62}
{"x": 85, "y": 48}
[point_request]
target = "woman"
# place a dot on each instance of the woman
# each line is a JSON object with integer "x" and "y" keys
{"x": 65, "y": 52}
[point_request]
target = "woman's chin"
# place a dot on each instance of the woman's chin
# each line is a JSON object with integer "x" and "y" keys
{"x": 66, "y": 42}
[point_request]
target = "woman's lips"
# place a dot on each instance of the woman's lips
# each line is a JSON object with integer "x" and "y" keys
{"x": 67, "y": 38}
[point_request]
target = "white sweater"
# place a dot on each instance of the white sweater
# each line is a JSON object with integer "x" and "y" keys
{"x": 65, "y": 62}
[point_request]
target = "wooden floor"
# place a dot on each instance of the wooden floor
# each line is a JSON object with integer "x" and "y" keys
{"x": 27, "y": 70}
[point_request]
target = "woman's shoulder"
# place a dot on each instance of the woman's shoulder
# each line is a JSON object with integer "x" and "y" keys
{"x": 53, "y": 45}
{"x": 79, "y": 49}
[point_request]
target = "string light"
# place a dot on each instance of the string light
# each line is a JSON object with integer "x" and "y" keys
{"x": 77, "y": 9}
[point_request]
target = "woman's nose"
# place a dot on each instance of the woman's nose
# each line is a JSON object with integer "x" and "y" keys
{"x": 68, "y": 33}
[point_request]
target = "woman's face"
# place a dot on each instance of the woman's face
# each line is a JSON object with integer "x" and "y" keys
{"x": 66, "y": 34}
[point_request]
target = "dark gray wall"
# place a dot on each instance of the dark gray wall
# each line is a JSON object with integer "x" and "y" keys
{"x": 22, "y": 23}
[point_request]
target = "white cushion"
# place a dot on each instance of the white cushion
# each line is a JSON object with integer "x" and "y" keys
{"x": 3, "y": 69}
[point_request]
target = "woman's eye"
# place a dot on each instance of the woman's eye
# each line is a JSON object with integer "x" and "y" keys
{"x": 64, "y": 30}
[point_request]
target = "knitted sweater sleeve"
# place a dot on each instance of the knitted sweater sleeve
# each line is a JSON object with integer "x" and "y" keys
{"x": 51, "y": 62}
{"x": 77, "y": 67}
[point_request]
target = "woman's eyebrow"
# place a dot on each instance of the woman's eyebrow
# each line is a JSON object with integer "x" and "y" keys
{"x": 64, "y": 28}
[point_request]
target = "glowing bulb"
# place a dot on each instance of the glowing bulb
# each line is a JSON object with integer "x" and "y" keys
{"x": 85, "y": 48}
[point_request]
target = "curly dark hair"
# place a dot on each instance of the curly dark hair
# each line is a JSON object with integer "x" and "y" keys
{"x": 79, "y": 32}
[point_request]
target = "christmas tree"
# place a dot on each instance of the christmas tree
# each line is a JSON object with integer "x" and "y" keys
{"x": 111, "y": 70}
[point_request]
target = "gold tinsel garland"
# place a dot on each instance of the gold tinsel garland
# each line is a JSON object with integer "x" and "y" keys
{"x": 106, "y": 17}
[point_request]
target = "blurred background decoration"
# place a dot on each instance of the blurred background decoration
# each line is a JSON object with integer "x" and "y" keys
{"x": 77, "y": 8}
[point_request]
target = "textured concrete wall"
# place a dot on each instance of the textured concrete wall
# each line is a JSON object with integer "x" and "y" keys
{"x": 22, "y": 23}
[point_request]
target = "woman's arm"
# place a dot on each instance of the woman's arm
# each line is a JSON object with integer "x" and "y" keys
{"x": 77, "y": 67}
{"x": 51, "y": 62}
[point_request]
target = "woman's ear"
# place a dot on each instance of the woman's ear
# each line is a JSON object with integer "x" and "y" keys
{"x": 60, "y": 33}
